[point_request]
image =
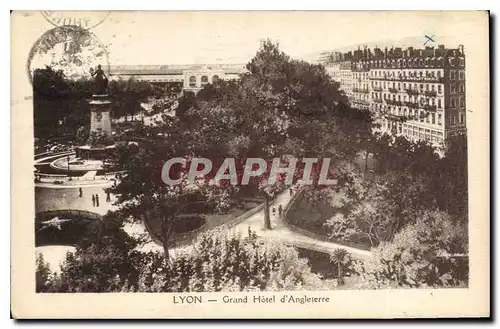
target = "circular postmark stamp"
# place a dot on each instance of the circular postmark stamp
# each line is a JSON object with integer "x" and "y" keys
{"x": 72, "y": 51}
{"x": 82, "y": 19}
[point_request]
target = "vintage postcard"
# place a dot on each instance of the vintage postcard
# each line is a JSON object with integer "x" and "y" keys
{"x": 250, "y": 164}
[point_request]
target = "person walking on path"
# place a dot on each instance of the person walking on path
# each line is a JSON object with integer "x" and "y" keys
{"x": 80, "y": 191}
{"x": 97, "y": 200}
{"x": 291, "y": 193}
{"x": 108, "y": 197}
{"x": 93, "y": 200}
{"x": 274, "y": 211}
{"x": 280, "y": 211}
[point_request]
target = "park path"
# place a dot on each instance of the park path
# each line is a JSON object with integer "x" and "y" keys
{"x": 282, "y": 233}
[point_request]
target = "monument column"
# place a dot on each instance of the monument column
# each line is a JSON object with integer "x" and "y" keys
{"x": 100, "y": 121}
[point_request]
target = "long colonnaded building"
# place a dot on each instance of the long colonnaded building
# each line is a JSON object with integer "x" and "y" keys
{"x": 416, "y": 93}
{"x": 180, "y": 77}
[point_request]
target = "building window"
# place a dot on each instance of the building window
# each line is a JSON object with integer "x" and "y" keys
{"x": 192, "y": 81}
{"x": 433, "y": 87}
{"x": 440, "y": 122}
{"x": 453, "y": 88}
{"x": 461, "y": 118}
{"x": 462, "y": 61}
{"x": 204, "y": 80}
{"x": 439, "y": 74}
{"x": 433, "y": 117}
{"x": 462, "y": 75}
{"x": 462, "y": 88}
{"x": 452, "y": 102}
{"x": 462, "y": 102}
{"x": 215, "y": 78}
{"x": 439, "y": 89}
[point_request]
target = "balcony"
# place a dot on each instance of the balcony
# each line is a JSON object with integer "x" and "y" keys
{"x": 361, "y": 90}
{"x": 430, "y": 108}
{"x": 394, "y": 102}
{"x": 412, "y": 91}
{"x": 430, "y": 93}
{"x": 377, "y": 100}
{"x": 377, "y": 88}
{"x": 394, "y": 117}
{"x": 393, "y": 90}
{"x": 412, "y": 105}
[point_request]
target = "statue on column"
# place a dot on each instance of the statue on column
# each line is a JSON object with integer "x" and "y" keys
{"x": 101, "y": 81}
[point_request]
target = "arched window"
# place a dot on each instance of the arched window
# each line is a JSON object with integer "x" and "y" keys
{"x": 215, "y": 78}
{"x": 192, "y": 81}
{"x": 204, "y": 80}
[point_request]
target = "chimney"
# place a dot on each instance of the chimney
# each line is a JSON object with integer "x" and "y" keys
{"x": 461, "y": 49}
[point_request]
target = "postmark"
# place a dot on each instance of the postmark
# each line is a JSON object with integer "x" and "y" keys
{"x": 82, "y": 19}
{"x": 71, "y": 50}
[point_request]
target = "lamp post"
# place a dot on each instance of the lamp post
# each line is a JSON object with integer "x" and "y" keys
{"x": 69, "y": 176}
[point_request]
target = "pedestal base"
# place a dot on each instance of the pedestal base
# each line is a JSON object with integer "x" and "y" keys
{"x": 95, "y": 153}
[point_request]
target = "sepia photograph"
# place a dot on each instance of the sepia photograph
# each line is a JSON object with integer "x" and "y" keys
{"x": 259, "y": 158}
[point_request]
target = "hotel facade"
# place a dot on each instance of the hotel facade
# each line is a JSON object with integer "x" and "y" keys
{"x": 415, "y": 93}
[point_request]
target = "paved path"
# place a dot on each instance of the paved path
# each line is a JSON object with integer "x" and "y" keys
{"x": 281, "y": 232}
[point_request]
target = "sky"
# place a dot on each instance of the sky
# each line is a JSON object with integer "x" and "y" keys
{"x": 234, "y": 37}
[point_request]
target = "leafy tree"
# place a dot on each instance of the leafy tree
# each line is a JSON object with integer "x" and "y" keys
{"x": 280, "y": 108}
{"x": 43, "y": 274}
{"x": 60, "y": 104}
{"x": 219, "y": 262}
{"x": 429, "y": 253}
{"x": 224, "y": 262}
{"x": 342, "y": 259}
{"x": 127, "y": 96}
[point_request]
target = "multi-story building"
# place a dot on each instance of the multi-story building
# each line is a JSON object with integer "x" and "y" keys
{"x": 416, "y": 93}
{"x": 184, "y": 77}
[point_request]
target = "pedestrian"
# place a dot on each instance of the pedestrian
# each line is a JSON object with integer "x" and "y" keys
{"x": 274, "y": 211}
{"x": 97, "y": 200}
{"x": 93, "y": 200}
{"x": 80, "y": 191}
{"x": 291, "y": 193}
{"x": 280, "y": 210}
{"x": 108, "y": 197}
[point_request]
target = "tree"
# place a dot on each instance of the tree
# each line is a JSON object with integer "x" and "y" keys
{"x": 43, "y": 274}
{"x": 341, "y": 258}
{"x": 127, "y": 96}
{"x": 224, "y": 262}
{"x": 60, "y": 104}
{"x": 281, "y": 108}
{"x": 142, "y": 193}
{"x": 429, "y": 253}
{"x": 219, "y": 262}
